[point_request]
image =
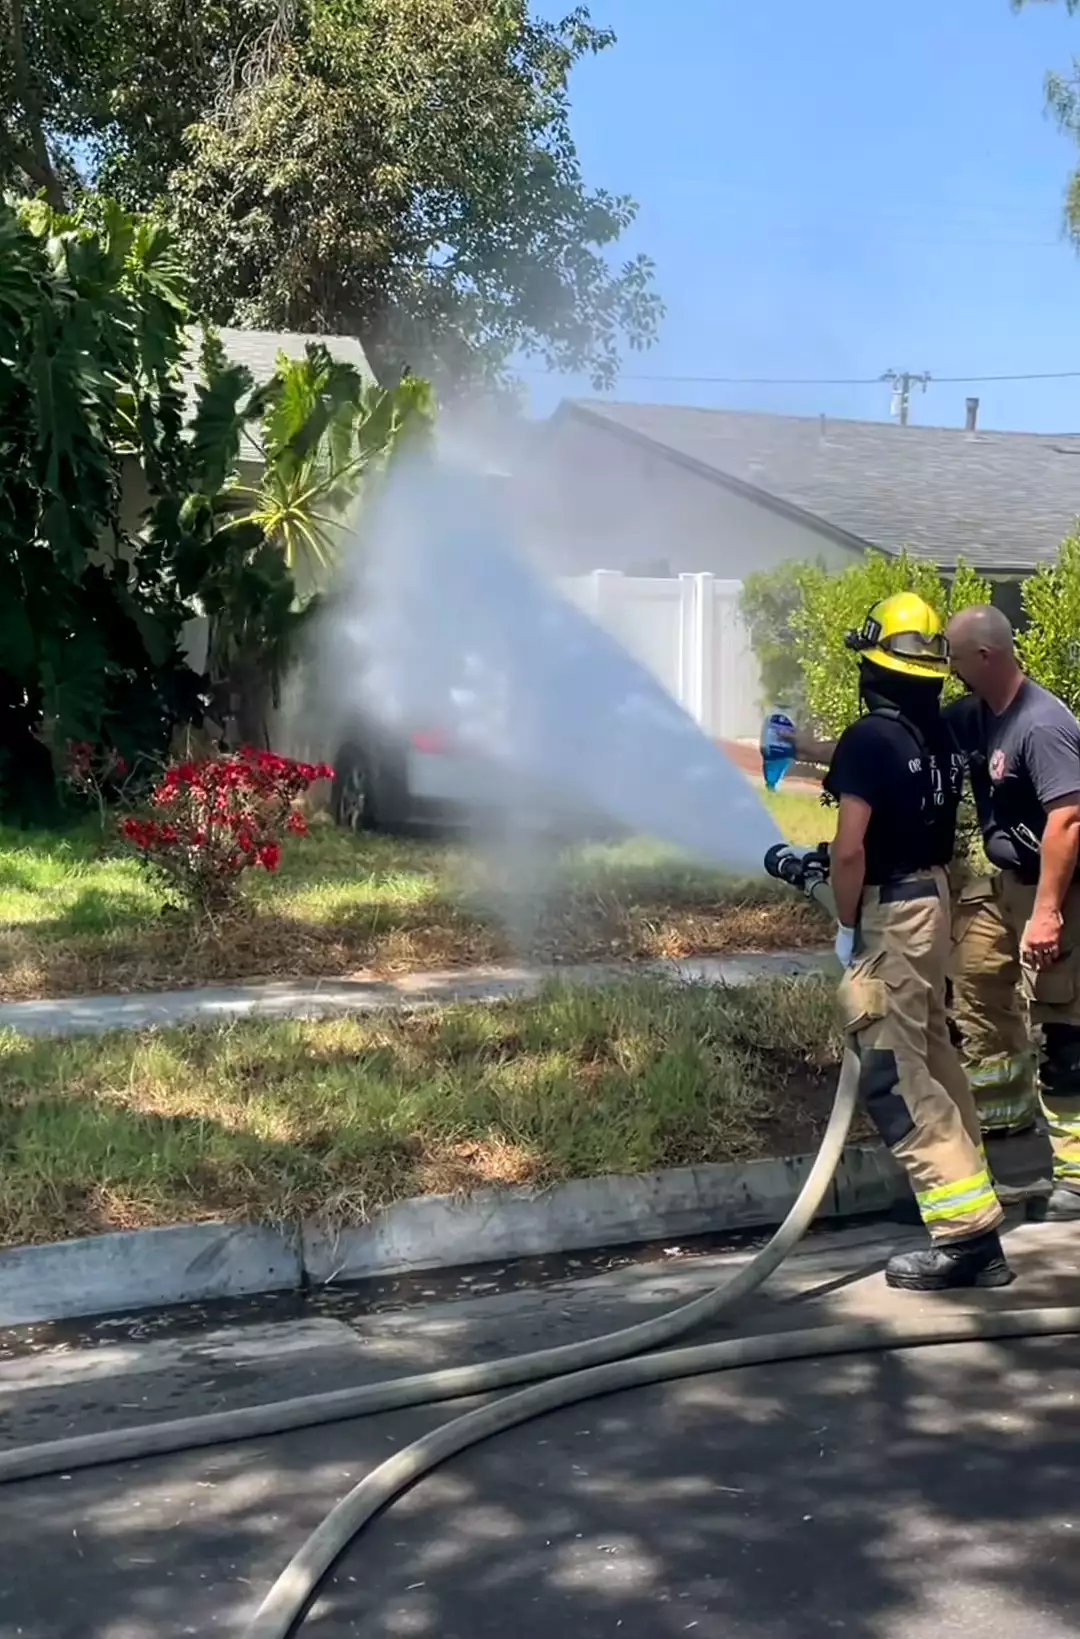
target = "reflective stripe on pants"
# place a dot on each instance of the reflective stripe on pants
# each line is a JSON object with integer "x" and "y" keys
{"x": 944, "y": 1203}
{"x": 988, "y": 1011}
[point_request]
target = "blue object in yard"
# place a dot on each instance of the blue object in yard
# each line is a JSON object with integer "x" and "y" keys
{"x": 777, "y": 747}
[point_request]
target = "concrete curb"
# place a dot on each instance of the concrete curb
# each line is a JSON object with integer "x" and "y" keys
{"x": 330, "y": 998}
{"x": 144, "y": 1268}
{"x": 196, "y": 1262}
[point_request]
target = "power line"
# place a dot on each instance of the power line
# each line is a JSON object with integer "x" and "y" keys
{"x": 823, "y": 381}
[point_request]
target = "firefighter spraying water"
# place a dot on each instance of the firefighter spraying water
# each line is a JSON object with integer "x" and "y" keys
{"x": 897, "y": 777}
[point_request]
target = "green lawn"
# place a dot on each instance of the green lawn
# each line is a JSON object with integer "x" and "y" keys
{"x": 73, "y": 920}
{"x": 281, "y": 1121}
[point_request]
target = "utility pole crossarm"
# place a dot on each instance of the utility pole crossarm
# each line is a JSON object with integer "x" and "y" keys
{"x": 902, "y": 381}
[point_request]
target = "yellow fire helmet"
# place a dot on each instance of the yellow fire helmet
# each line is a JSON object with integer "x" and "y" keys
{"x": 903, "y": 634}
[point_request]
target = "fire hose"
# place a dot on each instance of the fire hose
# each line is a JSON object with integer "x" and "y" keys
{"x": 559, "y": 1377}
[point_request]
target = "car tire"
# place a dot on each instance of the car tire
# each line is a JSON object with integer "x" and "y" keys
{"x": 368, "y": 793}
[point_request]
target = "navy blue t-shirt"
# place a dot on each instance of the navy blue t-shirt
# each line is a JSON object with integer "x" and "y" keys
{"x": 1020, "y": 762}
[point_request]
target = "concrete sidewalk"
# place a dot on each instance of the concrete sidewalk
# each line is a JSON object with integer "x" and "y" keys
{"x": 329, "y": 998}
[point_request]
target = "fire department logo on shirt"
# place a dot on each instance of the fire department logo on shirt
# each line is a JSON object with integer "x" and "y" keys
{"x": 997, "y": 765}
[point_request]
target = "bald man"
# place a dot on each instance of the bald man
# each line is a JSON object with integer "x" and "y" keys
{"x": 1023, "y": 745}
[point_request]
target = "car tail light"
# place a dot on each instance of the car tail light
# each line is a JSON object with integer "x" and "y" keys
{"x": 431, "y": 741}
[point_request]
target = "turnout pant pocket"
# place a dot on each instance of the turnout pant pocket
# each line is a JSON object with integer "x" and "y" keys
{"x": 863, "y": 996}
{"x": 864, "y": 1002}
{"x": 1052, "y": 986}
{"x": 977, "y": 890}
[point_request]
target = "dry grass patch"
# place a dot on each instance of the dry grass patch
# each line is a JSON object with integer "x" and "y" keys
{"x": 278, "y": 1121}
{"x": 74, "y": 921}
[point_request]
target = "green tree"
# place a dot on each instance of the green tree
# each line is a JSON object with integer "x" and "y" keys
{"x": 92, "y": 329}
{"x": 399, "y": 170}
{"x": 94, "y": 337}
{"x": 115, "y": 81}
{"x": 1049, "y": 648}
{"x": 1062, "y": 91}
{"x": 253, "y": 559}
{"x": 325, "y": 432}
{"x": 831, "y": 605}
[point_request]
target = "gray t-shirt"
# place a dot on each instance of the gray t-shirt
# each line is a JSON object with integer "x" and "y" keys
{"x": 1032, "y": 760}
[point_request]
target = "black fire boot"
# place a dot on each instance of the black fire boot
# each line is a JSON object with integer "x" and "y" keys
{"x": 945, "y": 1265}
{"x": 1061, "y": 1206}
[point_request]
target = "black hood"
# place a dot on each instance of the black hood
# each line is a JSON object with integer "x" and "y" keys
{"x": 916, "y": 698}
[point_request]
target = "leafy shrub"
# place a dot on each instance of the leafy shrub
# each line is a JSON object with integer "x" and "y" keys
{"x": 768, "y": 604}
{"x": 1049, "y": 648}
{"x": 217, "y": 818}
{"x": 832, "y": 604}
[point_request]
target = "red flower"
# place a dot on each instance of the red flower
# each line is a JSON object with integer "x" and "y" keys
{"x": 119, "y": 763}
{"x": 220, "y": 816}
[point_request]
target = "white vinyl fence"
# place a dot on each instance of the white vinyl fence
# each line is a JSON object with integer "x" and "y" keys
{"x": 689, "y": 634}
{"x": 686, "y": 630}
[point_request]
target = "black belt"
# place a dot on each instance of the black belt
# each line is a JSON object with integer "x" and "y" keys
{"x": 896, "y": 893}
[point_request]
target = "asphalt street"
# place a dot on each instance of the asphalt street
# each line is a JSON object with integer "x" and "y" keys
{"x": 906, "y": 1496}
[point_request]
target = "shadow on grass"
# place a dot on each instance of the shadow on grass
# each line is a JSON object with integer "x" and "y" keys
{"x": 335, "y": 1120}
{"x": 75, "y": 955}
{"x": 17, "y": 877}
{"x": 343, "y": 903}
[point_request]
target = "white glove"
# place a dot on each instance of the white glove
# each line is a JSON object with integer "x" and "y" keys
{"x": 845, "y": 945}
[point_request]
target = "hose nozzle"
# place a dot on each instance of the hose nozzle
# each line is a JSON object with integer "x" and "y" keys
{"x": 804, "y": 868}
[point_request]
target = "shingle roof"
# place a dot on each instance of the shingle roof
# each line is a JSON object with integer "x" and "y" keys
{"x": 1001, "y": 500}
{"x": 258, "y": 349}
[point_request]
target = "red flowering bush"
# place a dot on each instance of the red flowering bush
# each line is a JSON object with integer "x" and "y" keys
{"x": 215, "y": 819}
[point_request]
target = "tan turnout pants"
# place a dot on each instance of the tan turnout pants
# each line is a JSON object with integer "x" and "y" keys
{"x": 1053, "y": 997}
{"x": 988, "y": 1010}
{"x": 892, "y": 1005}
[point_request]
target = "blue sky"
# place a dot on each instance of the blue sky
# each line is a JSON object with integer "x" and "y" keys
{"x": 839, "y": 188}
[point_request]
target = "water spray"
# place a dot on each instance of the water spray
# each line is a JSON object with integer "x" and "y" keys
{"x": 441, "y": 619}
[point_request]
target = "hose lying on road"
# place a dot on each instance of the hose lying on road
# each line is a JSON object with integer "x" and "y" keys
{"x": 284, "y": 1607}
{"x": 560, "y": 1377}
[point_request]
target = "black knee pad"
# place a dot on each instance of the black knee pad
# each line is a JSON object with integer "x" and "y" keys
{"x": 1059, "y": 1068}
{"x": 879, "y": 1080}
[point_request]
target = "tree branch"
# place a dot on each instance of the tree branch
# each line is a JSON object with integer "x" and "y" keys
{"x": 35, "y": 161}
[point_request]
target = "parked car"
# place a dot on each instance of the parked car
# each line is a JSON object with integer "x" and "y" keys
{"x": 425, "y": 779}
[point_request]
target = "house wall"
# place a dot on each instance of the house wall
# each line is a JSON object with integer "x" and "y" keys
{"x": 593, "y": 500}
